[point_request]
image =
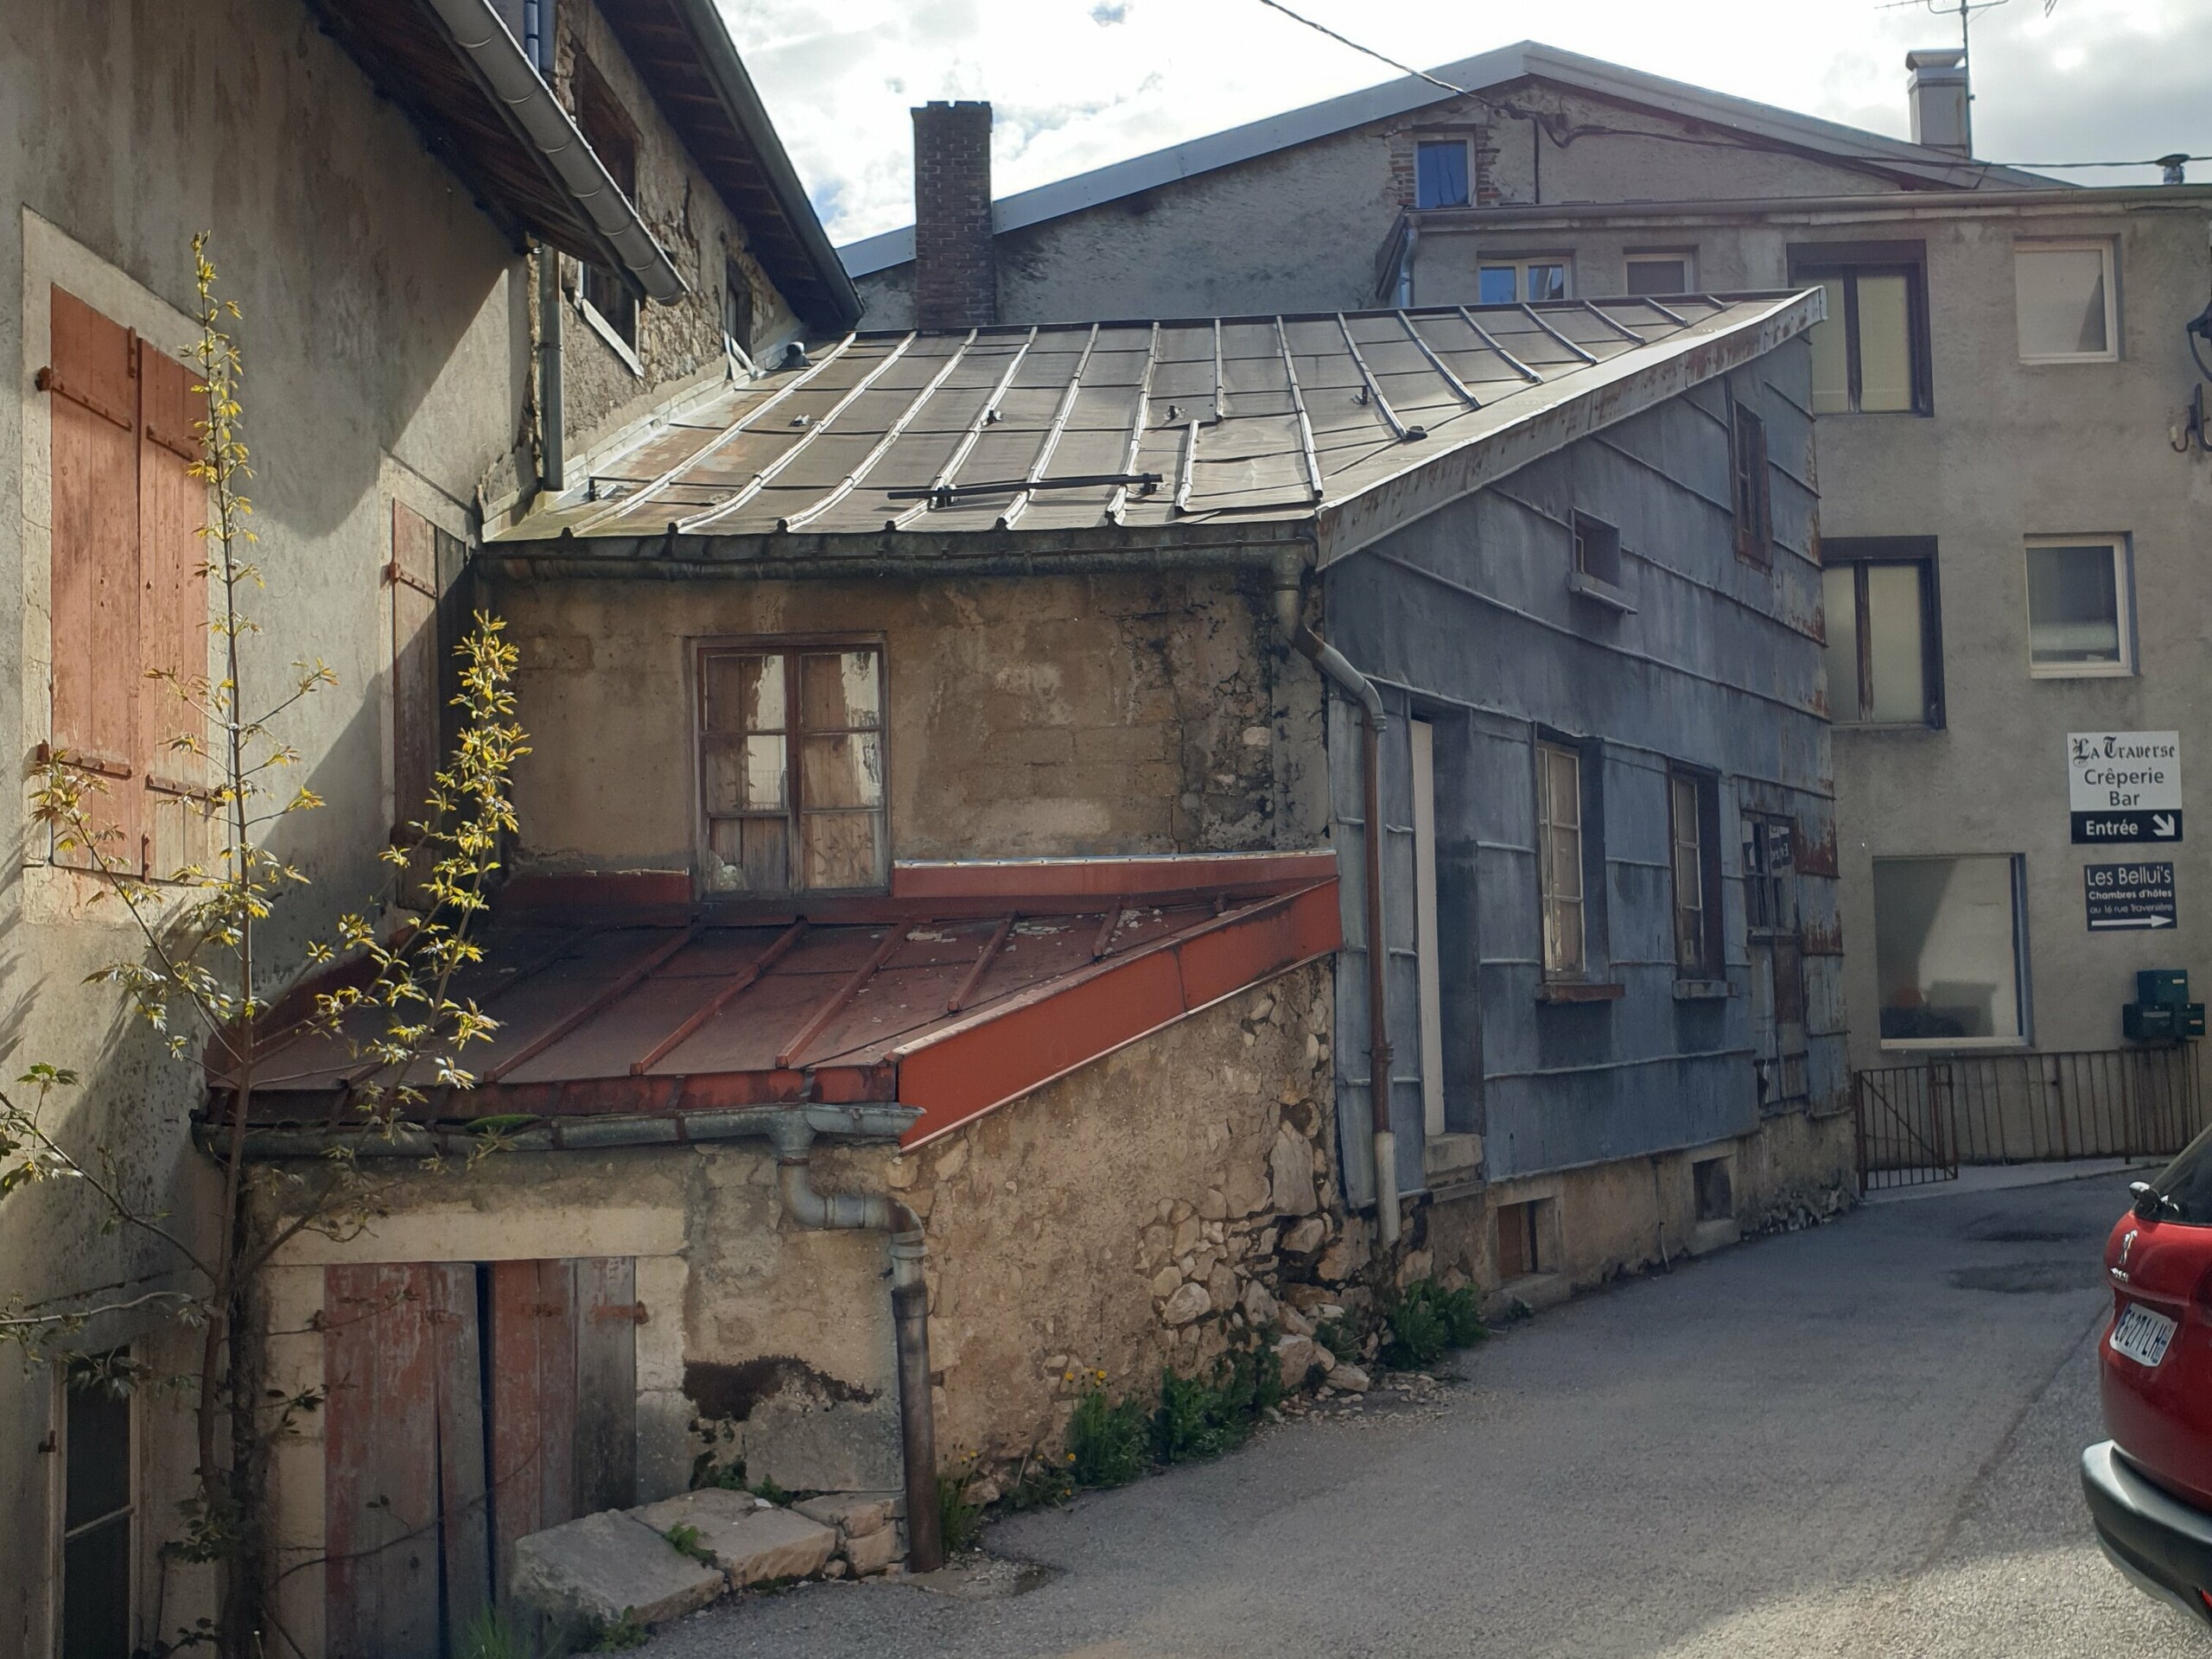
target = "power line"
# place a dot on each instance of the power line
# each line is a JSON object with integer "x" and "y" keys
{"x": 1346, "y": 40}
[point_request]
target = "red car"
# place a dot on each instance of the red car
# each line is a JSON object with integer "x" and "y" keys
{"x": 2150, "y": 1486}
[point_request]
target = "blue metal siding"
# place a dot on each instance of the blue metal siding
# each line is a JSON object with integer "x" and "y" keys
{"x": 1467, "y": 617}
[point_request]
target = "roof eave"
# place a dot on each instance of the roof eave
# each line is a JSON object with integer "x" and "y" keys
{"x": 718, "y": 54}
{"x": 1349, "y": 523}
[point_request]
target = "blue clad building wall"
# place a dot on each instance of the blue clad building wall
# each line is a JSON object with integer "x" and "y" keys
{"x": 1468, "y": 620}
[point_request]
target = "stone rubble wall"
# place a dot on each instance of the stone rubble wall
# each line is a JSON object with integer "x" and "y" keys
{"x": 1145, "y": 1212}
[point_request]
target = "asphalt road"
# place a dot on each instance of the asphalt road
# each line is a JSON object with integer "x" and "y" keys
{"x": 1859, "y": 1439}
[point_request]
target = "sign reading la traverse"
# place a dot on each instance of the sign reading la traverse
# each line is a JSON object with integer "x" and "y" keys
{"x": 2124, "y": 786}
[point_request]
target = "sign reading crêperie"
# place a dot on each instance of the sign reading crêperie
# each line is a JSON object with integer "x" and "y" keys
{"x": 2124, "y": 786}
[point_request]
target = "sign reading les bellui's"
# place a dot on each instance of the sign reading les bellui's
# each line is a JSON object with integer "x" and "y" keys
{"x": 2124, "y": 786}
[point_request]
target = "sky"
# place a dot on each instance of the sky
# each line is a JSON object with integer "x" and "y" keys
{"x": 1077, "y": 83}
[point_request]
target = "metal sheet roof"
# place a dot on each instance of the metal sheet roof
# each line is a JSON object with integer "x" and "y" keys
{"x": 1915, "y": 165}
{"x": 1352, "y": 418}
{"x": 967, "y": 985}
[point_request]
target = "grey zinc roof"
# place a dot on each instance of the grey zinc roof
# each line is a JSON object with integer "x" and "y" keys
{"x": 1350, "y": 420}
{"x": 1758, "y": 123}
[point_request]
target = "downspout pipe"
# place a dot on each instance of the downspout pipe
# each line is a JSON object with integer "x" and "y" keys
{"x": 910, "y": 1317}
{"x": 552, "y": 417}
{"x": 1290, "y": 620}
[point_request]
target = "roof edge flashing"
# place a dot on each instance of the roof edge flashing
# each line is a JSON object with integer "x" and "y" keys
{"x": 884, "y": 1121}
{"x": 529, "y": 106}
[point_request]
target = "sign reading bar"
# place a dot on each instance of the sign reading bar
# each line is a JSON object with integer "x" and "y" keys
{"x": 2123, "y": 786}
{"x": 2139, "y": 895}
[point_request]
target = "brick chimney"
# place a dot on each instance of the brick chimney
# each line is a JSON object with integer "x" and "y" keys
{"x": 1935, "y": 86}
{"x": 956, "y": 271}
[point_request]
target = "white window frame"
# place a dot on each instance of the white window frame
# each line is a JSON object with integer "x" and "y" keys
{"x": 1687, "y": 258}
{"x": 1577, "y": 970}
{"x": 1519, "y": 264}
{"x": 2123, "y": 576}
{"x": 2104, "y": 249}
{"x": 2023, "y": 997}
{"x": 1460, "y": 139}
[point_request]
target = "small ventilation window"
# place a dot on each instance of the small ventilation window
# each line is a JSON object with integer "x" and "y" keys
{"x": 1716, "y": 1200}
{"x": 1521, "y": 1247}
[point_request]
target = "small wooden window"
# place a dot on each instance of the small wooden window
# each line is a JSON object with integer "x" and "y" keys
{"x": 128, "y": 593}
{"x": 1520, "y": 1239}
{"x": 792, "y": 771}
{"x": 614, "y": 139}
{"x": 1754, "y": 505}
{"x": 1692, "y": 816}
{"x": 1559, "y": 839}
{"x": 424, "y": 560}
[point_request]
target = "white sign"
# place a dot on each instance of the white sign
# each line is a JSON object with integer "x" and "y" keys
{"x": 2123, "y": 772}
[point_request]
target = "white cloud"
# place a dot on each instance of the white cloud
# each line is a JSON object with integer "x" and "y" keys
{"x": 1077, "y": 83}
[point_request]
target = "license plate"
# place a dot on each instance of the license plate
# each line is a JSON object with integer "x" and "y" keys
{"x": 2141, "y": 1335}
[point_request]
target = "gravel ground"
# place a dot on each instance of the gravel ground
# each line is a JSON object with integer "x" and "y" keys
{"x": 1858, "y": 1439}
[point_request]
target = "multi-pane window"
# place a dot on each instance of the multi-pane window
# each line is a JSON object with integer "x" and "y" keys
{"x": 1749, "y": 486}
{"x": 1947, "y": 949}
{"x": 1661, "y": 273}
{"x": 127, "y": 604}
{"x": 792, "y": 768}
{"x": 96, "y": 1515}
{"x": 2078, "y": 607}
{"x": 1884, "y": 658}
{"x": 1509, "y": 281}
{"x": 1870, "y": 355}
{"x": 2066, "y": 308}
{"x": 1694, "y": 811}
{"x": 614, "y": 141}
{"x": 1441, "y": 173}
{"x": 1559, "y": 852}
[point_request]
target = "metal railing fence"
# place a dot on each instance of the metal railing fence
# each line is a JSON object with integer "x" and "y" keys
{"x": 1919, "y": 1123}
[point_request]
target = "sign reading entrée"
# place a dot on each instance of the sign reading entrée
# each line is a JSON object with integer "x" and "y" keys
{"x": 2124, "y": 786}
{"x": 2129, "y": 895}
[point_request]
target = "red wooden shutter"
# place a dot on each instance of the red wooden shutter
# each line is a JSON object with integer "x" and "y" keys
{"x": 172, "y": 613}
{"x": 94, "y": 596}
{"x": 414, "y": 576}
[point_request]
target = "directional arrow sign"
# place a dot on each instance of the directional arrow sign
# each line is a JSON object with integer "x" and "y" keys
{"x": 2129, "y": 896}
{"x": 2123, "y": 786}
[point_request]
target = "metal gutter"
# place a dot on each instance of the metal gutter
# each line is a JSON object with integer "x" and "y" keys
{"x": 531, "y": 111}
{"x": 1906, "y": 203}
{"x": 718, "y": 57}
{"x": 865, "y": 1122}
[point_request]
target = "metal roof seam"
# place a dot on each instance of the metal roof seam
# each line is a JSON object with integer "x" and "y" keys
{"x": 1052, "y": 439}
{"x": 1489, "y": 340}
{"x": 767, "y": 475}
{"x": 904, "y": 418}
{"x": 1136, "y": 426}
{"x": 1298, "y": 402}
{"x": 1458, "y": 386}
{"x": 1399, "y": 428}
{"x": 1580, "y": 350}
{"x": 985, "y": 416}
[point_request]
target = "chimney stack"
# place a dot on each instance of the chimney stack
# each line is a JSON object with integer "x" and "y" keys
{"x": 956, "y": 270}
{"x": 1936, "y": 88}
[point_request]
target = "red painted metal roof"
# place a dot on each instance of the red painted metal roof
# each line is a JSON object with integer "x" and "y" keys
{"x": 967, "y": 986}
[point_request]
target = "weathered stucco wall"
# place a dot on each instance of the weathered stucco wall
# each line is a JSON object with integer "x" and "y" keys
{"x": 384, "y": 353}
{"x": 1025, "y": 718}
{"x": 1301, "y": 229}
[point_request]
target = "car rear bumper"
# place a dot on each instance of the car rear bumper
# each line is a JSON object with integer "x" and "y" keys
{"x": 2162, "y": 1543}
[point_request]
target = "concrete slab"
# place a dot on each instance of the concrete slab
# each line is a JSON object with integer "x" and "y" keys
{"x": 589, "y": 1573}
{"x": 854, "y": 1513}
{"x": 751, "y": 1541}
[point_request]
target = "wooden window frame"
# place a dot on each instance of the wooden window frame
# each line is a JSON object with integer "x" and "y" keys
{"x": 1857, "y": 554}
{"x": 612, "y": 135}
{"x": 1548, "y": 893}
{"x": 791, "y": 647}
{"x": 127, "y": 1515}
{"x": 1423, "y": 141}
{"x": 1750, "y": 484}
{"x": 1814, "y": 262}
{"x": 1703, "y": 789}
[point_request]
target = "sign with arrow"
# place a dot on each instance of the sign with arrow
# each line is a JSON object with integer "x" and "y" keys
{"x": 2124, "y": 786}
{"x": 2124, "y": 896}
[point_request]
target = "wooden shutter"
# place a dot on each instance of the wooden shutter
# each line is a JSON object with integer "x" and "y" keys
{"x": 416, "y": 702}
{"x": 91, "y": 377}
{"x": 172, "y": 615}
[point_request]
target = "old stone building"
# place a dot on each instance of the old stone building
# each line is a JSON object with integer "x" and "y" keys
{"x": 373, "y": 179}
{"x": 2008, "y": 389}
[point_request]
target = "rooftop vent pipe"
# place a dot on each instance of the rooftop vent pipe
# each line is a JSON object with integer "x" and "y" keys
{"x": 956, "y": 267}
{"x": 1935, "y": 86}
